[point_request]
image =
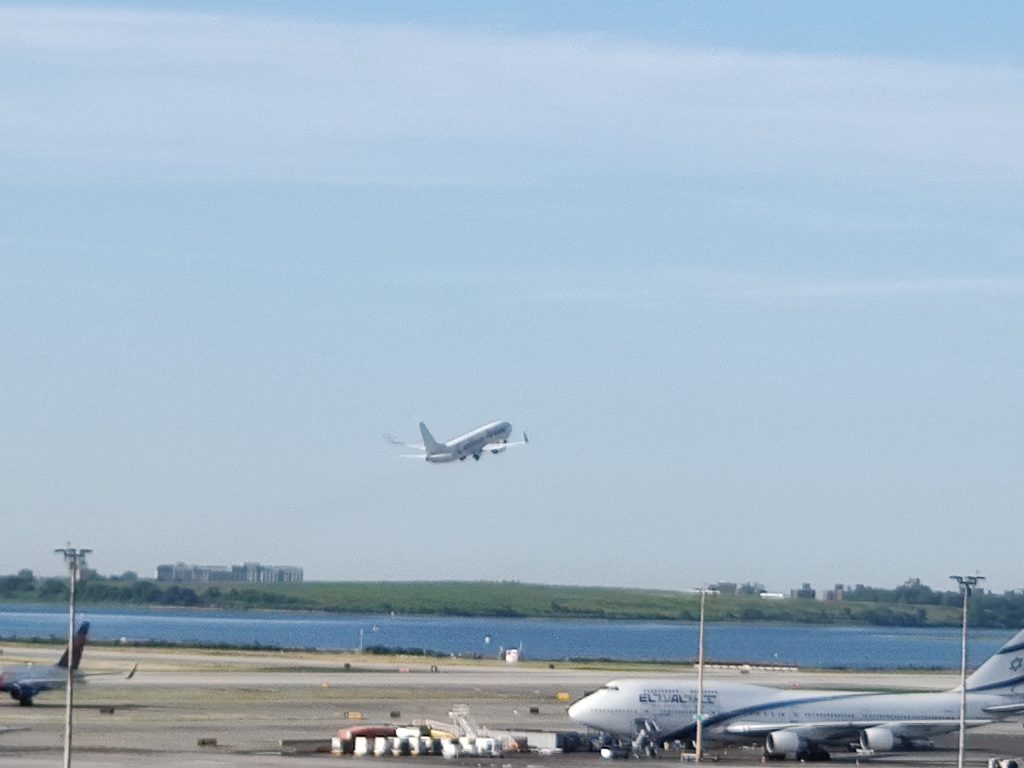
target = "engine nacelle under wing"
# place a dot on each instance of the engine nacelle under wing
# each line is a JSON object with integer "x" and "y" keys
{"x": 785, "y": 743}
{"x": 882, "y": 739}
{"x": 878, "y": 739}
{"x": 21, "y": 693}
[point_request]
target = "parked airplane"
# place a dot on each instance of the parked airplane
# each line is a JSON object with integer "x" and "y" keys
{"x": 492, "y": 438}
{"x": 805, "y": 724}
{"x": 24, "y": 681}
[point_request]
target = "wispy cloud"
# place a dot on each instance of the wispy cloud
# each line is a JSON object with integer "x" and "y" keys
{"x": 132, "y": 94}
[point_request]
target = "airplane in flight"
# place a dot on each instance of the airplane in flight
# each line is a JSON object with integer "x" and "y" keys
{"x": 490, "y": 438}
{"x": 804, "y": 724}
{"x": 24, "y": 681}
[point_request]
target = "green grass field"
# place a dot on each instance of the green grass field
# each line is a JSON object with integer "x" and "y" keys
{"x": 545, "y": 601}
{"x": 511, "y": 599}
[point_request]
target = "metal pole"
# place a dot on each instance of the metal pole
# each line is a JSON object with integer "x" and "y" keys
{"x": 71, "y": 654}
{"x": 71, "y": 557}
{"x": 963, "y": 682}
{"x": 966, "y": 584}
{"x": 698, "y": 744}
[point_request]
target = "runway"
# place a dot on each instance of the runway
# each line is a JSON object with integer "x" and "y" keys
{"x": 248, "y": 703}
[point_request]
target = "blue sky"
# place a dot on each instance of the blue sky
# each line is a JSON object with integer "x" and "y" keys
{"x": 749, "y": 274}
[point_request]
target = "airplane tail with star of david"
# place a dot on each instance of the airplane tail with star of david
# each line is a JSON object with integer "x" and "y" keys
{"x": 1001, "y": 672}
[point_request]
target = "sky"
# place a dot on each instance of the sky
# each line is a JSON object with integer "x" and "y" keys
{"x": 750, "y": 275}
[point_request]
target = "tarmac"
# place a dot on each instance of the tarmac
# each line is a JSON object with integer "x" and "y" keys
{"x": 209, "y": 708}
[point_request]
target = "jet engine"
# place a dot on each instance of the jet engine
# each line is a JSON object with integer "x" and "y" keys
{"x": 878, "y": 739}
{"x": 881, "y": 739}
{"x": 22, "y": 694}
{"x": 783, "y": 744}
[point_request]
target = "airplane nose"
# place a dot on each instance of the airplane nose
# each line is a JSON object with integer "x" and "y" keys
{"x": 577, "y": 709}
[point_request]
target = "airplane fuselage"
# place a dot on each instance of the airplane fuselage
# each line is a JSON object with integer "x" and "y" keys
{"x": 488, "y": 437}
{"x": 743, "y": 713}
{"x": 23, "y": 682}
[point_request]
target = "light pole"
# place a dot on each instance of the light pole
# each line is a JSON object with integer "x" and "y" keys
{"x": 967, "y": 584}
{"x": 72, "y": 557}
{"x": 698, "y": 744}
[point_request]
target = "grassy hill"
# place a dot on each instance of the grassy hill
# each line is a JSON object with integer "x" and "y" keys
{"x": 514, "y": 599}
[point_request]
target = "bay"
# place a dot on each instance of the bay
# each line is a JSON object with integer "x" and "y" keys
{"x": 540, "y": 639}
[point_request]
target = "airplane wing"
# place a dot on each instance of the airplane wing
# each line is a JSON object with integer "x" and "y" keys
{"x": 815, "y": 731}
{"x": 127, "y": 675}
{"x": 416, "y": 446}
{"x": 842, "y": 732}
{"x": 1005, "y": 709}
{"x": 503, "y": 446}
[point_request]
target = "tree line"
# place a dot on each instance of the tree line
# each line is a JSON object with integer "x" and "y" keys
{"x": 128, "y": 589}
{"x": 909, "y": 604}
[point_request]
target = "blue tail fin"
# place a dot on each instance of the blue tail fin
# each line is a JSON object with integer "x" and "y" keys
{"x": 77, "y": 646}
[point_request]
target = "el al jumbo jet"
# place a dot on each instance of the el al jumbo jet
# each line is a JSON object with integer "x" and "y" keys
{"x": 805, "y": 724}
{"x": 490, "y": 438}
{"x": 24, "y": 681}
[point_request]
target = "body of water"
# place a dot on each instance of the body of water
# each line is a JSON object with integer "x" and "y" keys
{"x": 543, "y": 639}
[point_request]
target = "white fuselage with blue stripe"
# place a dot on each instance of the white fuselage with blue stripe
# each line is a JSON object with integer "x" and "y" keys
{"x": 794, "y": 720}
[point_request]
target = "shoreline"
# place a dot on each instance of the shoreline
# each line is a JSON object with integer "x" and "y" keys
{"x": 83, "y": 607}
{"x": 515, "y": 600}
{"x": 22, "y": 649}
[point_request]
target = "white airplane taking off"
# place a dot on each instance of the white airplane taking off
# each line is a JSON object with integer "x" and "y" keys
{"x": 490, "y": 438}
{"x": 805, "y": 724}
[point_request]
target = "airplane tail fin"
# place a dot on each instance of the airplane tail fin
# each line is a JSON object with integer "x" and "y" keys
{"x": 429, "y": 442}
{"x": 77, "y": 646}
{"x": 1003, "y": 670}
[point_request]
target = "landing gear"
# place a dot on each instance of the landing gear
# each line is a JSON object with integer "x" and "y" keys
{"x": 805, "y": 754}
{"x": 814, "y": 755}
{"x": 476, "y": 456}
{"x": 819, "y": 755}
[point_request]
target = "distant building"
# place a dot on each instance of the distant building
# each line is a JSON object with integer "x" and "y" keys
{"x": 835, "y": 595}
{"x": 248, "y": 572}
{"x": 806, "y": 592}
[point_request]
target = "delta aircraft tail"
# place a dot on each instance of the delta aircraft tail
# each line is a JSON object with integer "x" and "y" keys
{"x": 77, "y": 646}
